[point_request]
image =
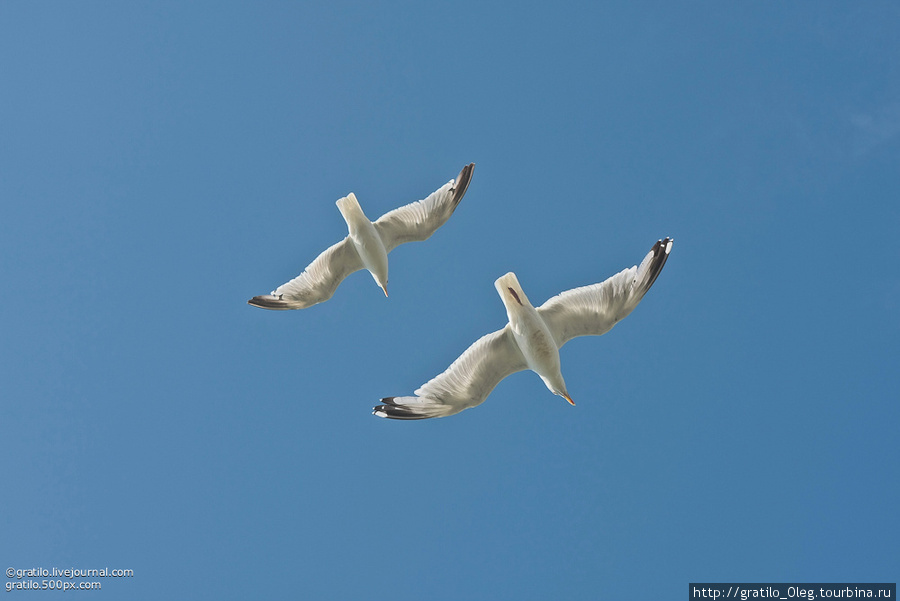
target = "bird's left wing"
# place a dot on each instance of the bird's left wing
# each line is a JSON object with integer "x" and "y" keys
{"x": 419, "y": 220}
{"x": 594, "y": 310}
{"x": 466, "y": 383}
{"x": 318, "y": 281}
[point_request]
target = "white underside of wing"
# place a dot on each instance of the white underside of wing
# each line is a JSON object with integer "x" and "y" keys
{"x": 418, "y": 220}
{"x": 594, "y": 310}
{"x": 477, "y": 371}
{"x": 589, "y": 310}
{"x": 319, "y": 280}
{"x": 466, "y": 383}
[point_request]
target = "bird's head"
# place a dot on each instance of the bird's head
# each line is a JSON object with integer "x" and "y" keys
{"x": 557, "y": 386}
{"x": 566, "y": 396}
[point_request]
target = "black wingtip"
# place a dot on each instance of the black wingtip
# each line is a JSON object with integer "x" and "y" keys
{"x": 270, "y": 301}
{"x": 392, "y": 410}
{"x": 461, "y": 184}
{"x": 660, "y": 252}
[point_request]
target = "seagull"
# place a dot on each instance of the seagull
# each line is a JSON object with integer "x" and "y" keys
{"x": 368, "y": 244}
{"x": 531, "y": 339}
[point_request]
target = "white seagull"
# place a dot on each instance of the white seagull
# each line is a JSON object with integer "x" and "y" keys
{"x": 531, "y": 339}
{"x": 368, "y": 244}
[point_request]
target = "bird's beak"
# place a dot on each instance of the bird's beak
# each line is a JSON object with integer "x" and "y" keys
{"x": 571, "y": 402}
{"x": 385, "y": 290}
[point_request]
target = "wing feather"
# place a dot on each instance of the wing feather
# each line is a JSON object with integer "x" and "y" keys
{"x": 594, "y": 310}
{"x": 419, "y": 220}
{"x": 466, "y": 383}
{"x": 318, "y": 281}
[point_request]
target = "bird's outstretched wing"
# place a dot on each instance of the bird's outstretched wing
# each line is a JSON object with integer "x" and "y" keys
{"x": 594, "y": 310}
{"x": 466, "y": 383}
{"x": 418, "y": 220}
{"x": 318, "y": 281}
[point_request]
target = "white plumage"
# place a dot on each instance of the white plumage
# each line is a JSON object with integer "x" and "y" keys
{"x": 367, "y": 245}
{"x": 531, "y": 339}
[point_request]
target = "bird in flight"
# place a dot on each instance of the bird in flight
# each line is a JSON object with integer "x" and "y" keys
{"x": 367, "y": 245}
{"x": 531, "y": 339}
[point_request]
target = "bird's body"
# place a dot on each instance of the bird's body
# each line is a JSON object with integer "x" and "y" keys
{"x": 365, "y": 240}
{"x": 531, "y": 340}
{"x": 367, "y": 245}
{"x": 532, "y": 336}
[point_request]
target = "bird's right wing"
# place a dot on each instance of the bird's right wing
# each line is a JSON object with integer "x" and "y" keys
{"x": 318, "y": 281}
{"x": 594, "y": 310}
{"x": 418, "y": 220}
{"x": 466, "y": 383}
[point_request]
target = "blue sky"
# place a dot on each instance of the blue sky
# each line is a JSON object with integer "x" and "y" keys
{"x": 163, "y": 162}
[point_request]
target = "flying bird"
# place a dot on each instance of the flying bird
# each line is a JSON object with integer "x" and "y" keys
{"x": 367, "y": 245}
{"x": 531, "y": 339}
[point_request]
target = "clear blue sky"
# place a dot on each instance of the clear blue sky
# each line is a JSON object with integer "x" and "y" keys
{"x": 162, "y": 162}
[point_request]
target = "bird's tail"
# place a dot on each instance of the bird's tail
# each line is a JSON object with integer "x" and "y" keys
{"x": 510, "y": 290}
{"x": 350, "y": 208}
